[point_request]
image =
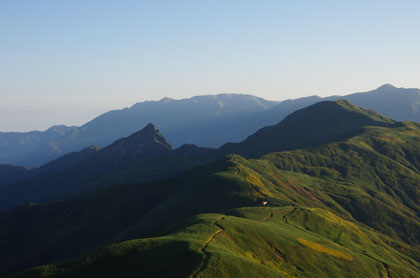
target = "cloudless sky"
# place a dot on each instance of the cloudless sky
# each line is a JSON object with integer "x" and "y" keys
{"x": 64, "y": 62}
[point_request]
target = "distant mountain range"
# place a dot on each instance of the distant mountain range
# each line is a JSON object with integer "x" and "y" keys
{"x": 333, "y": 190}
{"x": 12, "y": 174}
{"x": 202, "y": 120}
{"x": 62, "y": 178}
{"x": 15, "y": 146}
{"x": 208, "y": 121}
{"x": 399, "y": 104}
{"x": 147, "y": 156}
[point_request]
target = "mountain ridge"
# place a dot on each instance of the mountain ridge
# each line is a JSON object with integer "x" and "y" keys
{"x": 324, "y": 210}
{"x": 16, "y": 144}
{"x": 128, "y": 161}
{"x": 204, "y": 120}
{"x": 90, "y": 163}
{"x": 315, "y": 125}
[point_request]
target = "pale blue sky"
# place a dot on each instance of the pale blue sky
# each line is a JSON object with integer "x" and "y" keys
{"x": 67, "y": 61}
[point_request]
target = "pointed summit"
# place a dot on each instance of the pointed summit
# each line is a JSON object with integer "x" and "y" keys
{"x": 144, "y": 141}
{"x": 166, "y": 100}
{"x": 386, "y": 87}
{"x": 149, "y": 127}
{"x": 78, "y": 169}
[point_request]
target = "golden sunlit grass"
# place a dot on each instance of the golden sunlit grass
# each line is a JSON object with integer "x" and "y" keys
{"x": 326, "y": 250}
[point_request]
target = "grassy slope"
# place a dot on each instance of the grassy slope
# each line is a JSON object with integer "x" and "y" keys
{"x": 352, "y": 179}
{"x": 319, "y": 124}
{"x": 345, "y": 209}
{"x": 248, "y": 242}
{"x": 322, "y": 123}
{"x": 35, "y": 234}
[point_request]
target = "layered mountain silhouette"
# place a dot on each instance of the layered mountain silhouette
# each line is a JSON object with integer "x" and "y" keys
{"x": 62, "y": 178}
{"x": 208, "y": 121}
{"x": 400, "y": 104}
{"x": 12, "y": 174}
{"x": 147, "y": 156}
{"x": 315, "y": 125}
{"x": 331, "y": 191}
{"x": 15, "y": 147}
{"x": 318, "y": 124}
{"x": 203, "y": 120}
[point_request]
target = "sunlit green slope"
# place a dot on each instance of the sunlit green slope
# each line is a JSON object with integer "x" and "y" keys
{"x": 345, "y": 209}
{"x": 289, "y": 241}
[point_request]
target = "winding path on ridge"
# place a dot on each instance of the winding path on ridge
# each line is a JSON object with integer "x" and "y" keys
{"x": 268, "y": 217}
{"x": 204, "y": 249}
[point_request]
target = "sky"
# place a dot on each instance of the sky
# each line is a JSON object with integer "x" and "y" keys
{"x": 65, "y": 62}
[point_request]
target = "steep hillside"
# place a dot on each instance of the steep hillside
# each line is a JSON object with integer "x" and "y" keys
{"x": 147, "y": 156}
{"x": 67, "y": 161}
{"x": 58, "y": 185}
{"x": 157, "y": 168}
{"x": 209, "y": 120}
{"x": 203, "y": 120}
{"x": 14, "y": 174}
{"x": 248, "y": 242}
{"x": 332, "y": 211}
{"x": 313, "y": 126}
{"x": 38, "y": 233}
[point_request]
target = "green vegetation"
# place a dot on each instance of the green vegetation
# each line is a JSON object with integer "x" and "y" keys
{"x": 319, "y": 124}
{"x": 274, "y": 242}
{"x": 349, "y": 208}
{"x": 345, "y": 209}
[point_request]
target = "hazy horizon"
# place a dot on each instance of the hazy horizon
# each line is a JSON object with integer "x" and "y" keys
{"x": 96, "y": 112}
{"x": 67, "y": 62}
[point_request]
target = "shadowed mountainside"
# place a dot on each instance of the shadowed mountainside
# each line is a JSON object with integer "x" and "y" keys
{"x": 204, "y": 120}
{"x": 126, "y": 161}
{"x": 346, "y": 204}
{"x": 329, "y": 210}
{"x": 13, "y": 174}
{"x": 14, "y": 146}
{"x": 64, "y": 176}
